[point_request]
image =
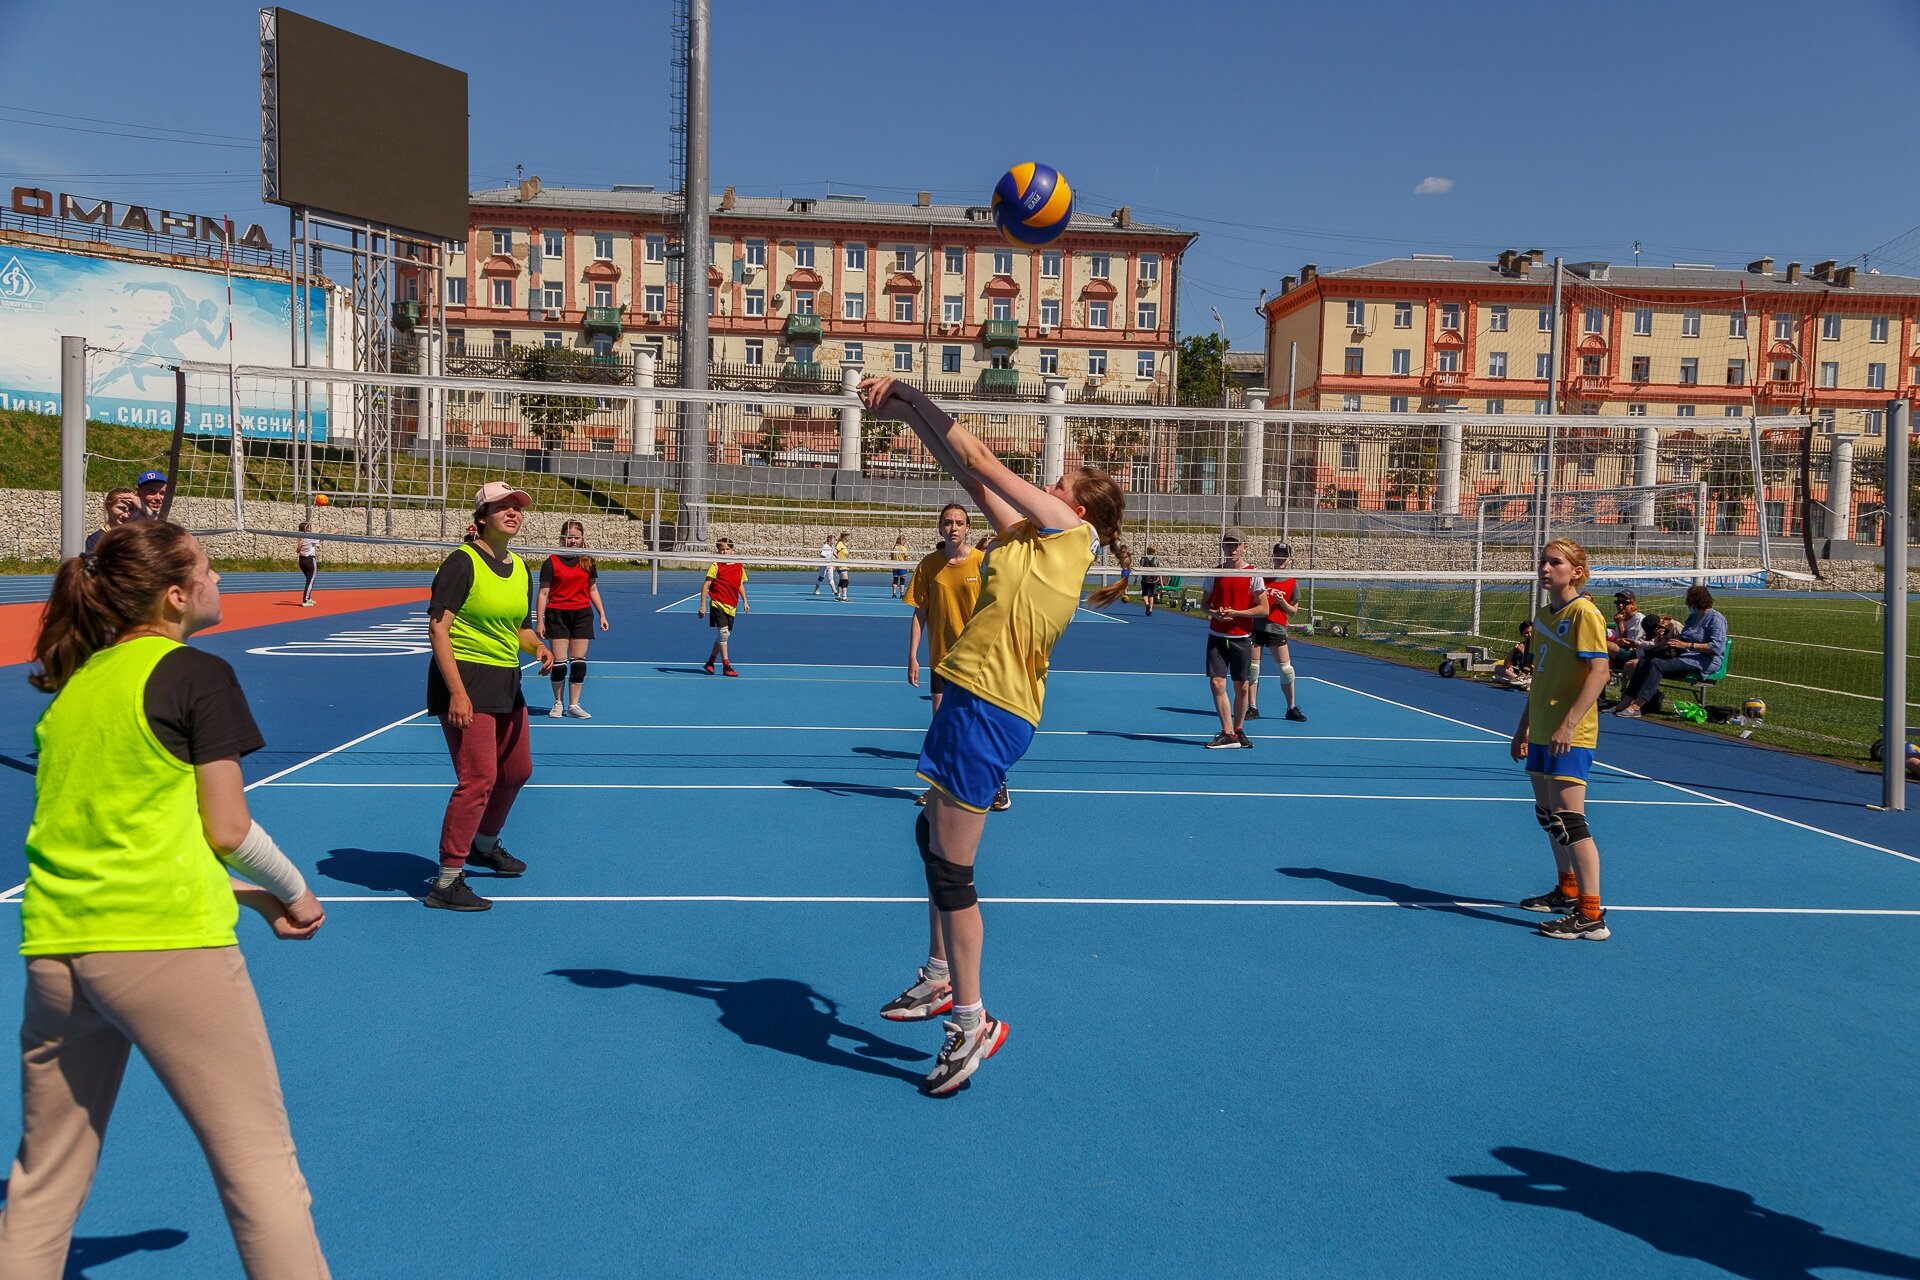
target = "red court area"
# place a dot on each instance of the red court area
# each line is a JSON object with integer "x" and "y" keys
{"x": 18, "y": 622}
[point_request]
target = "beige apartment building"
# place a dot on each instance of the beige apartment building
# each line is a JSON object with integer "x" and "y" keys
{"x": 806, "y": 285}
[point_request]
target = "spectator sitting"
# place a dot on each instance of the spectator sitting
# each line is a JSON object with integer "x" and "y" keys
{"x": 1629, "y": 630}
{"x": 1517, "y": 671}
{"x": 152, "y": 486}
{"x": 1697, "y": 648}
{"x": 119, "y": 506}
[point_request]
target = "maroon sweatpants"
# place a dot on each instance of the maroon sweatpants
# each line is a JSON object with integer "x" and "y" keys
{"x": 491, "y": 762}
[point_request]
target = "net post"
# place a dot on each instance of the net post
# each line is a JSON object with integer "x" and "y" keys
{"x": 1479, "y": 558}
{"x": 1895, "y": 530}
{"x": 1446, "y": 493}
{"x": 1646, "y": 473}
{"x": 1759, "y": 491}
{"x": 1840, "y": 489}
{"x": 1053, "y": 440}
{"x": 1700, "y": 533}
{"x": 850, "y": 418}
{"x": 1286, "y": 479}
{"x": 73, "y": 445}
{"x": 653, "y": 540}
{"x": 645, "y": 427}
{"x": 1253, "y": 448}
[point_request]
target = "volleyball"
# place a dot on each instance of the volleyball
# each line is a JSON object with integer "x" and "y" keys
{"x": 1754, "y": 709}
{"x": 1032, "y": 204}
{"x": 321, "y": 500}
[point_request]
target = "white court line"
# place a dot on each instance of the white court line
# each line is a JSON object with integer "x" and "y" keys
{"x": 1731, "y": 804}
{"x": 573, "y": 726}
{"x": 8, "y": 895}
{"x": 682, "y": 600}
{"x": 275, "y": 777}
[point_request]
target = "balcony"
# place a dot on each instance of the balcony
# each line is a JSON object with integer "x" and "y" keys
{"x": 1000, "y": 333}
{"x": 1446, "y": 380}
{"x": 1782, "y": 388}
{"x": 801, "y": 369}
{"x": 407, "y": 314}
{"x": 1592, "y": 384}
{"x": 602, "y": 320}
{"x": 1004, "y": 382}
{"x": 804, "y": 326}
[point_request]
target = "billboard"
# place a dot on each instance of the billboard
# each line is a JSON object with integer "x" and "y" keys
{"x": 362, "y": 130}
{"x": 146, "y": 317}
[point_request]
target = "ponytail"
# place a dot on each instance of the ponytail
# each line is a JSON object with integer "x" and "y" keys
{"x": 1104, "y": 506}
{"x": 99, "y": 596}
{"x": 1106, "y": 595}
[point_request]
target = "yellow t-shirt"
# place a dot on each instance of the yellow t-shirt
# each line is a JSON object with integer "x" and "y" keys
{"x": 1029, "y": 588}
{"x": 948, "y": 592}
{"x": 900, "y": 552}
{"x": 1564, "y": 642}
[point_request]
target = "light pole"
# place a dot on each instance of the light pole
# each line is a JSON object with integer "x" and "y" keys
{"x": 1222, "y": 476}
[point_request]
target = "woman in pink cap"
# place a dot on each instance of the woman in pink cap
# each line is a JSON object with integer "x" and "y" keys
{"x": 479, "y": 625}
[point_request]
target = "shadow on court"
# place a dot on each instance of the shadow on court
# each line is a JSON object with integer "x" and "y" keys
{"x": 773, "y": 1013}
{"x": 381, "y": 870}
{"x": 1684, "y": 1218}
{"x": 852, "y": 788}
{"x": 1193, "y": 711}
{"x": 97, "y": 1251}
{"x": 1404, "y": 895}
{"x": 882, "y": 753}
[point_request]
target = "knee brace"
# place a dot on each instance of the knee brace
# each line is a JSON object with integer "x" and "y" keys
{"x": 724, "y": 633}
{"x": 1286, "y": 673}
{"x": 577, "y": 671}
{"x": 949, "y": 883}
{"x": 1550, "y": 823}
{"x": 1574, "y": 825}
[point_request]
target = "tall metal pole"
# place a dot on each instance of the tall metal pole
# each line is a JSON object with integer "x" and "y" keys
{"x": 1759, "y": 489}
{"x": 1555, "y": 343}
{"x": 690, "y": 521}
{"x": 1893, "y": 687}
{"x": 73, "y": 445}
{"x": 1286, "y": 483}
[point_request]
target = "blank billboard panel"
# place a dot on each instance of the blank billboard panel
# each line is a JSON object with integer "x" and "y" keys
{"x": 364, "y": 130}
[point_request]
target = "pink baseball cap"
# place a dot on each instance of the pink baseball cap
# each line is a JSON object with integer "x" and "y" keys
{"x": 496, "y": 492}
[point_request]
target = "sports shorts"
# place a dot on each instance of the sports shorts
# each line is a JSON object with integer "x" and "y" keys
{"x": 970, "y": 746}
{"x": 569, "y": 624}
{"x": 1230, "y": 657}
{"x": 1571, "y": 767}
{"x": 1267, "y": 633}
{"x": 718, "y": 617}
{"x": 1149, "y": 586}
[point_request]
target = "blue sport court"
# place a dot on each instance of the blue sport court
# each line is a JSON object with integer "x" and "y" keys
{"x": 1273, "y": 1012}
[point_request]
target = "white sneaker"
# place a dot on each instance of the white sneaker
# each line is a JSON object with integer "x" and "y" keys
{"x": 962, "y": 1055}
{"x": 578, "y": 712}
{"x": 557, "y": 710}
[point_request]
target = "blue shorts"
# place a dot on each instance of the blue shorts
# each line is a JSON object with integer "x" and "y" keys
{"x": 1571, "y": 767}
{"x": 970, "y": 746}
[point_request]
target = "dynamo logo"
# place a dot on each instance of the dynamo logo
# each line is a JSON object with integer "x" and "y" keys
{"x": 15, "y": 284}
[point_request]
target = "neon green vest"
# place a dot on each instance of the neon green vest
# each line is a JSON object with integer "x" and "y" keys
{"x": 486, "y": 629}
{"x": 116, "y": 859}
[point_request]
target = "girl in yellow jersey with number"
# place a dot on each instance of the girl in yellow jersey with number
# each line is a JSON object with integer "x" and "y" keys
{"x": 127, "y": 918}
{"x": 995, "y": 678}
{"x": 1557, "y": 735}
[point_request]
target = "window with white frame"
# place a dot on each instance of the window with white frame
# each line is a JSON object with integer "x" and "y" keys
{"x": 1396, "y": 404}
{"x": 1642, "y": 369}
{"x": 653, "y": 299}
{"x": 1049, "y": 360}
{"x": 503, "y": 242}
{"x": 1447, "y": 361}
{"x": 456, "y": 342}
{"x": 756, "y": 351}
{"x": 1642, "y": 322}
{"x": 949, "y": 359}
{"x": 1490, "y": 462}
{"x": 1877, "y": 329}
{"x": 654, "y": 248}
{"x": 1782, "y": 371}
{"x": 1689, "y": 371}
{"x": 1545, "y": 320}
{"x": 1830, "y": 328}
{"x": 602, "y": 295}
{"x": 1829, "y": 373}
{"x": 552, "y": 341}
{"x": 1098, "y": 265}
{"x": 1683, "y": 410}
{"x": 1000, "y": 309}
{"x": 1782, "y": 327}
{"x": 1096, "y": 315}
{"x": 1003, "y": 262}
{"x": 553, "y": 295}
{"x": 1636, "y": 411}
{"x": 1539, "y": 406}
{"x": 1737, "y": 324}
{"x": 756, "y": 253}
{"x": 1589, "y": 366}
{"x": 1050, "y": 312}
{"x": 1496, "y": 364}
{"x": 1148, "y": 316}
{"x": 854, "y": 353}
{"x": 1876, "y": 377}
{"x": 1496, "y": 406}
{"x": 903, "y": 357}
{"x": 1736, "y": 373}
{"x": 502, "y": 342}
{"x": 1050, "y": 264}
{"x": 1542, "y": 365}
{"x": 954, "y": 261}
{"x": 1595, "y": 320}
{"x": 903, "y": 308}
{"x": 856, "y": 255}
{"x": 1403, "y": 315}
{"x": 1355, "y": 364}
{"x": 903, "y": 259}
{"x": 1348, "y": 404}
{"x": 854, "y": 306}
{"x": 502, "y": 293}
{"x": 1356, "y": 314}
{"x": 1824, "y": 420}
{"x": 756, "y": 302}
{"x": 803, "y": 253}
{"x": 1450, "y": 316}
{"x": 1689, "y": 324}
{"x": 1096, "y": 364}
{"x": 1149, "y": 267}
{"x": 1496, "y": 319}
{"x": 1732, "y": 411}
{"x": 553, "y": 244}
{"x": 1401, "y": 363}
{"x": 803, "y": 302}
{"x": 1350, "y": 450}
{"x": 603, "y": 246}
{"x": 456, "y": 291}
{"x": 1876, "y": 421}
{"x": 953, "y": 309}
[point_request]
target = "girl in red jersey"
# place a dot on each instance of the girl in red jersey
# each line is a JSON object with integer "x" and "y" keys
{"x": 725, "y": 588}
{"x": 563, "y": 618}
{"x": 1270, "y": 633}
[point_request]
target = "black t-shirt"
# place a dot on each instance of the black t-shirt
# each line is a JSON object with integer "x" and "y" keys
{"x": 196, "y": 709}
{"x": 495, "y": 690}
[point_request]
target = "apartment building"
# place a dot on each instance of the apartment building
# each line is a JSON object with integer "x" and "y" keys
{"x": 809, "y": 284}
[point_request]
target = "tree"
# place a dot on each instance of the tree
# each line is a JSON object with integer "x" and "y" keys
{"x": 1203, "y": 359}
{"x": 551, "y": 415}
{"x": 1110, "y": 444}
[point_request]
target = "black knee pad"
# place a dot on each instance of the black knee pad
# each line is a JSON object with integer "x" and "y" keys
{"x": 949, "y": 883}
{"x": 1550, "y": 823}
{"x": 577, "y": 671}
{"x": 1575, "y": 825}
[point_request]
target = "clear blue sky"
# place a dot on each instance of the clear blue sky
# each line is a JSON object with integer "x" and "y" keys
{"x": 1282, "y": 132}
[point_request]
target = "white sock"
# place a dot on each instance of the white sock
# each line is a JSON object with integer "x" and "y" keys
{"x": 446, "y": 877}
{"x": 970, "y": 1016}
{"x": 937, "y": 970}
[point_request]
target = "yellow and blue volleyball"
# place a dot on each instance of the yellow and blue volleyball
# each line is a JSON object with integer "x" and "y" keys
{"x": 1032, "y": 204}
{"x": 1754, "y": 709}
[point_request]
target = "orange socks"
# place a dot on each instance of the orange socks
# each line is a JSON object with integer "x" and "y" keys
{"x": 1569, "y": 884}
{"x": 1590, "y": 905}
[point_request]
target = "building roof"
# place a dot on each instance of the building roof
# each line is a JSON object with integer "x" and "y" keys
{"x": 1624, "y": 279}
{"x": 801, "y": 209}
{"x": 1246, "y": 362}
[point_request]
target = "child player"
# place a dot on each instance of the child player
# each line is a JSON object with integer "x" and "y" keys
{"x": 898, "y": 588}
{"x": 1557, "y": 735}
{"x": 725, "y": 588}
{"x": 1232, "y": 605}
{"x": 1270, "y": 632}
{"x": 943, "y": 591}
{"x": 995, "y": 681}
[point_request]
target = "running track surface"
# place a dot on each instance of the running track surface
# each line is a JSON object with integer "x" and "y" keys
{"x": 1270, "y": 1015}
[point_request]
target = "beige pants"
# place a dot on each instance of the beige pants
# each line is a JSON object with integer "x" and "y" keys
{"x": 196, "y": 1020}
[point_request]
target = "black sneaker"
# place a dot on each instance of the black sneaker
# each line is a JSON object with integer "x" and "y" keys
{"x": 456, "y": 897}
{"x": 1240, "y": 736}
{"x": 1253, "y": 713}
{"x": 1575, "y": 925}
{"x": 1223, "y": 742}
{"x": 1296, "y": 715}
{"x": 1552, "y": 902}
{"x": 1001, "y": 800}
{"x": 500, "y": 862}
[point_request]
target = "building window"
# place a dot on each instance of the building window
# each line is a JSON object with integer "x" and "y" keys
{"x": 855, "y": 353}
{"x": 854, "y": 306}
{"x": 1642, "y": 369}
{"x": 553, "y": 244}
{"x": 1877, "y": 329}
{"x": 1830, "y": 328}
{"x": 903, "y": 259}
{"x": 756, "y": 351}
{"x": 503, "y": 242}
{"x": 949, "y": 359}
{"x": 803, "y": 253}
{"x": 1737, "y": 324}
{"x": 502, "y": 342}
{"x": 1829, "y": 373}
{"x": 1545, "y": 322}
{"x": 1782, "y": 327}
{"x": 1589, "y": 366}
{"x": 1149, "y": 267}
{"x": 953, "y": 261}
{"x": 1876, "y": 421}
{"x": 856, "y": 257}
{"x": 1683, "y": 411}
{"x": 1050, "y": 312}
{"x": 1396, "y": 404}
{"x": 1403, "y": 315}
{"x": 1595, "y": 320}
{"x": 456, "y": 291}
{"x": 655, "y": 248}
{"x": 1096, "y": 315}
{"x": 1049, "y": 360}
{"x": 1350, "y": 404}
{"x": 1149, "y": 316}
{"x": 1448, "y": 361}
{"x": 1736, "y": 373}
{"x": 1496, "y": 364}
{"x": 1825, "y": 422}
{"x": 1689, "y": 324}
{"x": 503, "y": 293}
{"x": 1732, "y": 411}
{"x": 1450, "y": 316}
{"x": 902, "y": 308}
{"x": 1876, "y": 377}
{"x": 1098, "y": 265}
{"x": 903, "y": 357}
{"x": 756, "y": 253}
{"x": 1349, "y": 450}
{"x": 756, "y": 302}
{"x": 1356, "y": 361}
{"x": 1003, "y": 262}
{"x": 1096, "y": 364}
{"x": 603, "y": 246}
{"x": 1496, "y": 406}
{"x": 1642, "y": 322}
{"x": 953, "y": 309}
{"x": 1402, "y": 365}
{"x": 1050, "y": 264}
{"x": 1357, "y": 315}
{"x": 653, "y": 299}
{"x": 1539, "y": 406}
{"x": 1542, "y": 364}
{"x": 1000, "y": 309}
{"x": 1490, "y": 463}
{"x": 552, "y": 341}
{"x": 1636, "y": 411}
{"x": 553, "y": 295}
{"x": 1689, "y": 371}
{"x": 602, "y": 295}
{"x": 1496, "y": 319}
{"x": 803, "y": 302}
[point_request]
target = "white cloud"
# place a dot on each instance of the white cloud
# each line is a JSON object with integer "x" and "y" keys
{"x": 1433, "y": 187}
